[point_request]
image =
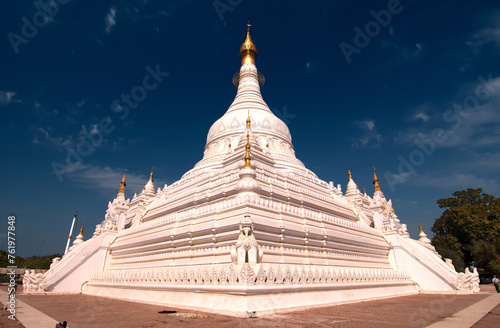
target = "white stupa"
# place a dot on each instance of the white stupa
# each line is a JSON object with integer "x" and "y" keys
{"x": 251, "y": 229}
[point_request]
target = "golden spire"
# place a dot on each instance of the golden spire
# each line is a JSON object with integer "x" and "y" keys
{"x": 247, "y": 152}
{"x": 81, "y": 230}
{"x": 135, "y": 192}
{"x": 248, "y": 120}
{"x": 375, "y": 180}
{"x": 123, "y": 183}
{"x": 350, "y": 175}
{"x": 364, "y": 190}
{"x": 248, "y": 51}
{"x": 420, "y": 227}
{"x": 151, "y": 175}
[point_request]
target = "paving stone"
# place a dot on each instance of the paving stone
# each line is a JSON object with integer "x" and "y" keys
{"x": 408, "y": 311}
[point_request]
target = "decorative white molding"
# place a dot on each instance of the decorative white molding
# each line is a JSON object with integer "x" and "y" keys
{"x": 248, "y": 275}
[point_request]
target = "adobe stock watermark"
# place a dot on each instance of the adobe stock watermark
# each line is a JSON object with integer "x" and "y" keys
{"x": 93, "y": 139}
{"x": 45, "y": 14}
{"x": 283, "y": 114}
{"x": 434, "y": 310}
{"x": 372, "y": 29}
{"x": 223, "y": 6}
{"x": 425, "y": 147}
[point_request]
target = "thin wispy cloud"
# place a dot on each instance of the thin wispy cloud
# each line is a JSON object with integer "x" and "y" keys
{"x": 422, "y": 116}
{"x": 411, "y": 53}
{"x": 110, "y": 19}
{"x": 368, "y": 137}
{"x": 47, "y": 138}
{"x": 370, "y": 124}
{"x": 133, "y": 13}
{"x": 6, "y": 97}
{"x": 106, "y": 178}
{"x": 456, "y": 180}
{"x": 464, "y": 128}
{"x": 486, "y": 36}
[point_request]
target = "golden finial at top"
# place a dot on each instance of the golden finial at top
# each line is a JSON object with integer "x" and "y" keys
{"x": 248, "y": 50}
{"x": 247, "y": 152}
{"x": 349, "y": 171}
{"x": 151, "y": 175}
{"x": 123, "y": 183}
{"x": 375, "y": 180}
{"x": 420, "y": 227}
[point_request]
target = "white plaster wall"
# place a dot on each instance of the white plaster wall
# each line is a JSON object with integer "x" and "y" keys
{"x": 427, "y": 269}
{"x": 271, "y": 299}
{"x": 75, "y": 267}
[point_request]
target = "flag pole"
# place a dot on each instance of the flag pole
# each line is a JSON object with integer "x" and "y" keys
{"x": 70, "y": 232}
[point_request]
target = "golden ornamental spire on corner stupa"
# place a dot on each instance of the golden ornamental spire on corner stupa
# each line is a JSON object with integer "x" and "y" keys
{"x": 123, "y": 183}
{"x": 349, "y": 172}
{"x": 247, "y": 152}
{"x": 248, "y": 120}
{"x": 375, "y": 181}
{"x": 151, "y": 175}
{"x": 248, "y": 50}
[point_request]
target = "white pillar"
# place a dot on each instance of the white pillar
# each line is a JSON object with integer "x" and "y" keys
{"x": 70, "y": 231}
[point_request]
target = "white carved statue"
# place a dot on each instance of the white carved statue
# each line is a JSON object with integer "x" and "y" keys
{"x": 26, "y": 282}
{"x": 246, "y": 249}
{"x": 33, "y": 282}
{"x": 469, "y": 280}
{"x": 55, "y": 260}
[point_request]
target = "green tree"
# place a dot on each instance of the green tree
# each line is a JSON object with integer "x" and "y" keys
{"x": 3, "y": 259}
{"x": 34, "y": 262}
{"x": 468, "y": 231}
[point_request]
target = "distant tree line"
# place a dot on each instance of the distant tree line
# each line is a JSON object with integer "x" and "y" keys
{"x": 468, "y": 231}
{"x": 34, "y": 262}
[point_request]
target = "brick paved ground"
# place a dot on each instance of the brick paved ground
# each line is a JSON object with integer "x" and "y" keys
{"x": 408, "y": 311}
{"x": 492, "y": 319}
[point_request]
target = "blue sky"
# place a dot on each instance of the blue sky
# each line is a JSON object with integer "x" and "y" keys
{"x": 416, "y": 94}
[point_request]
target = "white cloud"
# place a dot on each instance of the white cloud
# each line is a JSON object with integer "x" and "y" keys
{"x": 369, "y": 137}
{"x": 370, "y": 124}
{"x": 6, "y": 97}
{"x": 50, "y": 140}
{"x": 483, "y": 37}
{"x": 457, "y": 181}
{"x": 110, "y": 19}
{"x": 108, "y": 179}
{"x": 478, "y": 129}
{"x": 464, "y": 128}
{"x": 423, "y": 116}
